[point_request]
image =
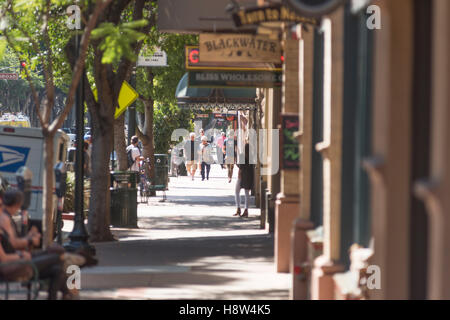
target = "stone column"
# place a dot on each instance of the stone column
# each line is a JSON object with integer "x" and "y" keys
{"x": 299, "y": 267}
{"x": 326, "y": 265}
{"x": 389, "y": 166}
{"x": 287, "y": 204}
{"x": 436, "y": 189}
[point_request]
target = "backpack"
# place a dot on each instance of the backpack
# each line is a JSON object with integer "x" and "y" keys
{"x": 130, "y": 157}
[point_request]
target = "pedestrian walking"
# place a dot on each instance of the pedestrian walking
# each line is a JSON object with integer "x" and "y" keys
{"x": 134, "y": 154}
{"x": 245, "y": 181}
{"x": 190, "y": 150}
{"x": 219, "y": 150}
{"x": 205, "y": 158}
{"x": 230, "y": 151}
{"x": 202, "y": 134}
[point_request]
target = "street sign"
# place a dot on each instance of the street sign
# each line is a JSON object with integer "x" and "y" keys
{"x": 269, "y": 13}
{"x": 239, "y": 48}
{"x": 127, "y": 96}
{"x": 314, "y": 8}
{"x": 237, "y": 79}
{"x": 9, "y": 76}
{"x": 158, "y": 59}
{"x": 193, "y": 63}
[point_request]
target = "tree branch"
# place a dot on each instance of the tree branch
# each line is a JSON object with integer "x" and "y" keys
{"x": 33, "y": 89}
{"x": 125, "y": 67}
{"x": 48, "y": 67}
{"x": 79, "y": 66}
{"x": 35, "y": 46}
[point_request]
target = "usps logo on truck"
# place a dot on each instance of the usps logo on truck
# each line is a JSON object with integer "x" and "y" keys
{"x": 12, "y": 158}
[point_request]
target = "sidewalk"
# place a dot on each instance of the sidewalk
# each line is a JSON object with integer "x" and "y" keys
{"x": 189, "y": 247}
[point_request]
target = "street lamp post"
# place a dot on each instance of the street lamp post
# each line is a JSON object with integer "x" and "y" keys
{"x": 132, "y": 111}
{"x": 79, "y": 236}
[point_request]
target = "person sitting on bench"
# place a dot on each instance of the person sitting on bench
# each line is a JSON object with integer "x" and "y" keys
{"x": 50, "y": 265}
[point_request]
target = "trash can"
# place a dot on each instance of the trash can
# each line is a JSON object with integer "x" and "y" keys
{"x": 124, "y": 199}
{"x": 161, "y": 170}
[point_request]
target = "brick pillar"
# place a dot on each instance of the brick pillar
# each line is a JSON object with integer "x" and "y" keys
{"x": 435, "y": 190}
{"x": 299, "y": 266}
{"x": 287, "y": 204}
{"x": 389, "y": 165}
{"x": 325, "y": 266}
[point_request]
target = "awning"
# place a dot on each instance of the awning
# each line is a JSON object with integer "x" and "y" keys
{"x": 195, "y": 16}
{"x": 214, "y": 98}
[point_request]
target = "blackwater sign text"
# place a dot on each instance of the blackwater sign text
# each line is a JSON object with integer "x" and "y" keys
{"x": 239, "y": 48}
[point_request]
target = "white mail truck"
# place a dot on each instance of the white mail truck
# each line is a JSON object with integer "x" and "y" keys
{"x": 25, "y": 147}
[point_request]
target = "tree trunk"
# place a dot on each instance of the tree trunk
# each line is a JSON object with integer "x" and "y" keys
{"x": 119, "y": 142}
{"x": 149, "y": 150}
{"x": 147, "y": 138}
{"x": 49, "y": 185}
{"x": 99, "y": 210}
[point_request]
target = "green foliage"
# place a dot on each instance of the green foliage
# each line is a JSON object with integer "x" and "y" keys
{"x": 69, "y": 199}
{"x": 117, "y": 40}
{"x": 167, "y": 118}
{"x": 165, "y": 78}
{"x": 25, "y": 22}
{"x": 14, "y": 93}
{"x": 2, "y": 47}
{"x": 28, "y": 42}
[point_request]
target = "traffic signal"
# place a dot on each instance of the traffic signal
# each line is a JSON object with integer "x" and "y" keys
{"x": 23, "y": 65}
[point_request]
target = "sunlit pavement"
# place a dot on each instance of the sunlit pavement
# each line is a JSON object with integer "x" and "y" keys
{"x": 189, "y": 247}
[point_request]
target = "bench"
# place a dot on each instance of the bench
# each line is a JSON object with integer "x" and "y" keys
{"x": 33, "y": 285}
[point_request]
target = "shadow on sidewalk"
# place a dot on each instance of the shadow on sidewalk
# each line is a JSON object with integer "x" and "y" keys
{"x": 185, "y": 250}
{"x": 196, "y": 222}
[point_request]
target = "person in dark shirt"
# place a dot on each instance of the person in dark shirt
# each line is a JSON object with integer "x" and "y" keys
{"x": 245, "y": 181}
{"x": 191, "y": 152}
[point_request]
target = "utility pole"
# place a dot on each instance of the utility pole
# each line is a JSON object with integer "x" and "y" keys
{"x": 79, "y": 236}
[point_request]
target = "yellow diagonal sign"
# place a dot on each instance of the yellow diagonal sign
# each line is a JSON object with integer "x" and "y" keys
{"x": 127, "y": 96}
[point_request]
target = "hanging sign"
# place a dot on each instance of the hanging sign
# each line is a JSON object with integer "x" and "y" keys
{"x": 158, "y": 59}
{"x": 194, "y": 62}
{"x": 238, "y": 48}
{"x": 313, "y": 8}
{"x": 237, "y": 79}
{"x": 270, "y": 13}
{"x": 9, "y": 76}
{"x": 289, "y": 149}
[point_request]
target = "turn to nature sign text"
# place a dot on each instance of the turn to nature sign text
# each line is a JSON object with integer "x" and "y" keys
{"x": 270, "y": 13}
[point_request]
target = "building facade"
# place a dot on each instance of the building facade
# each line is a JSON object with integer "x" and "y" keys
{"x": 366, "y": 215}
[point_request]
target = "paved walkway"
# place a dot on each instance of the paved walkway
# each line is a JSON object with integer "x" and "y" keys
{"x": 189, "y": 247}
